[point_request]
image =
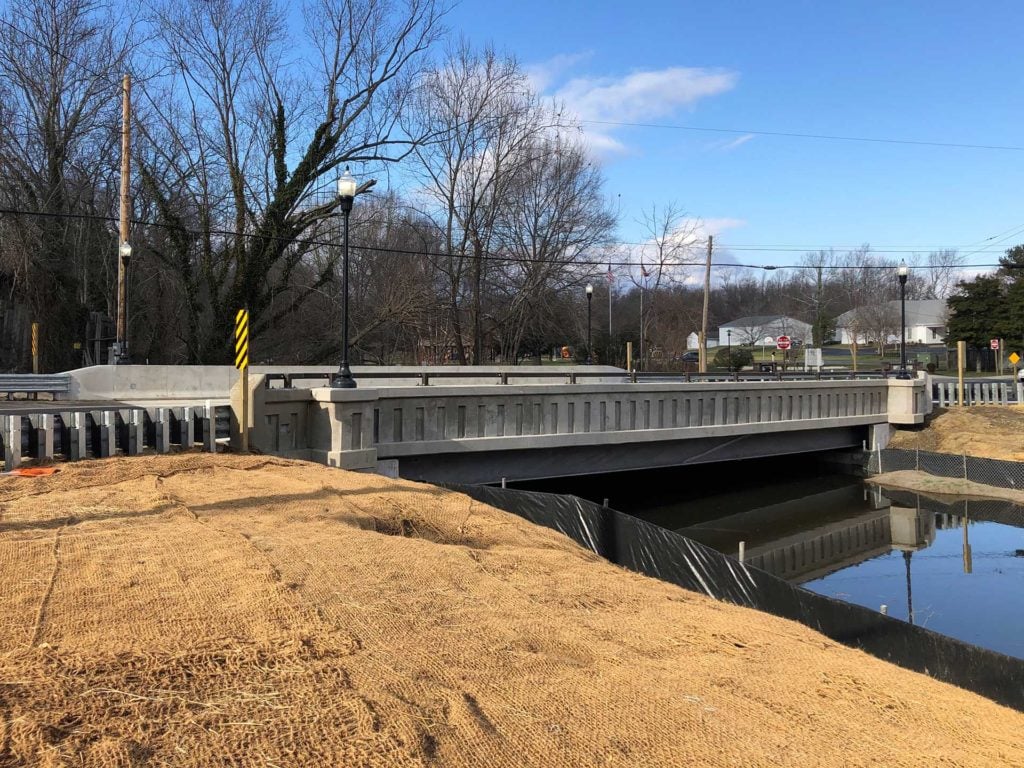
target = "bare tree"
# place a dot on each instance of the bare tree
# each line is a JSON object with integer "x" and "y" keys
{"x": 486, "y": 122}
{"x": 662, "y": 259}
{"x": 246, "y": 142}
{"x": 554, "y": 214}
{"x": 60, "y": 65}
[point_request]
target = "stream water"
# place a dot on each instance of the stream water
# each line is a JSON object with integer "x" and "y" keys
{"x": 956, "y": 566}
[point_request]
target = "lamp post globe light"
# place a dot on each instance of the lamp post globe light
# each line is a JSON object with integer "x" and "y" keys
{"x": 902, "y": 271}
{"x": 590, "y": 297}
{"x": 346, "y": 195}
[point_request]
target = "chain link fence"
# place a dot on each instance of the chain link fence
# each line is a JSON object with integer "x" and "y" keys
{"x": 1003, "y": 474}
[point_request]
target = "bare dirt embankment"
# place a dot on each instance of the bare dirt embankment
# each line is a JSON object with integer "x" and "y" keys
{"x": 202, "y": 610}
{"x": 984, "y": 431}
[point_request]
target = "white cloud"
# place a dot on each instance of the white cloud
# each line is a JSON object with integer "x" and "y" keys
{"x": 642, "y": 95}
{"x": 725, "y": 146}
{"x": 638, "y": 97}
{"x": 545, "y": 74}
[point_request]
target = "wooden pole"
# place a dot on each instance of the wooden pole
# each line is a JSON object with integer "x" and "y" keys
{"x": 702, "y": 355}
{"x": 961, "y": 355}
{"x": 629, "y": 355}
{"x": 122, "y": 260}
{"x": 35, "y": 347}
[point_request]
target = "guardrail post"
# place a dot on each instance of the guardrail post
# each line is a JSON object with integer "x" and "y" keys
{"x": 424, "y": 379}
{"x": 163, "y": 431}
{"x": 632, "y": 376}
{"x": 572, "y": 377}
{"x": 136, "y": 438}
{"x": 210, "y": 428}
{"x": 75, "y": 449}
{"x": 108, "y": 441}
{"x": 12, "y": 442}
{"x": 44, "y": 436}
{"x": 188, "y": 429}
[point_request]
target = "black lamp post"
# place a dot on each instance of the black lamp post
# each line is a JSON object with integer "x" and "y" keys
{"x": 728, "y": 338}
{"x": 903, "y": 271}
{"x": 346, "y": 195}
{"x": 590, "y": 297}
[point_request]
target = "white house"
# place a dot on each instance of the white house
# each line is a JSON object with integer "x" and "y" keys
{"x": 926, "y": 322}
{"x": 755, "y": 328}
{"x": 693, "y": 340}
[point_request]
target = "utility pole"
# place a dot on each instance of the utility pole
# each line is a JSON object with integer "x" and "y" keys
{"x": 702, "y": 354}
{"x": 124, "y": 250}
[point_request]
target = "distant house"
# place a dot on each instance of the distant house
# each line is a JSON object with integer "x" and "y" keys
{"x": 755, "y": 328}
{"x": 926, "y": 322}
{"x": 693, "y": 340}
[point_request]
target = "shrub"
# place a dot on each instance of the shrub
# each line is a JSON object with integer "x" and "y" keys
{"x": 741, "y": 356}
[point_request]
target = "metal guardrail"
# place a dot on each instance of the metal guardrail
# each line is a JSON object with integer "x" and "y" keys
{"x": 424, "y": 378}
{"x": 100, "y": 432}
{"x": 33, "y": 384}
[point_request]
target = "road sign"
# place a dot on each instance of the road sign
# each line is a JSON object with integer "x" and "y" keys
{"x": 994, "y": 343}
{"x": 783, "y": 342}
{"x": 768, "y": 340}
{"x": 242, "y": 364}
{"x": 242, "y": 339}
{"x": 1014, "y": 358}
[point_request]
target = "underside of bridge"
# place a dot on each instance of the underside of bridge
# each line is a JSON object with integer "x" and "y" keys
{"x": 569, "y": 461}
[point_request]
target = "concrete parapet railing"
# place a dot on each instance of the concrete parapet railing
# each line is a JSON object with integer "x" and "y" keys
{"x": 358, "y": 428}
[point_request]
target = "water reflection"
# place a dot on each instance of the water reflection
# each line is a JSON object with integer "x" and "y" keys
{"x": 953, "y": 565}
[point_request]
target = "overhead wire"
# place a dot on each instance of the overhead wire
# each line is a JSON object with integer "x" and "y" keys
{"x": 596, "y": 263}
{"x": 819, "y": 136}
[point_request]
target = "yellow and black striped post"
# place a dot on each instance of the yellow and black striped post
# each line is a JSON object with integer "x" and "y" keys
{"x": 242, "y": 364}
{"x": 35, "y": 347}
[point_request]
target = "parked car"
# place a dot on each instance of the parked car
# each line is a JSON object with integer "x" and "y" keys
{"x": 689, "y": 357}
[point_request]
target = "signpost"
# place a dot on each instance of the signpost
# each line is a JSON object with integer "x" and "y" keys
{"x": 767, "y": 340}
{"x": 242, "y": 364}
{"x": 994, "y": 343}
{"x": 1014, "y": 359}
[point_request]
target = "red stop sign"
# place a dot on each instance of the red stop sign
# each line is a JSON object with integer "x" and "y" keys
{"x": 783, "y": 342}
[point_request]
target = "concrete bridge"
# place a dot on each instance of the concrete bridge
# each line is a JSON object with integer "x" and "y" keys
{"x": 481, "y": 433}
{"x": 467, "y": 425}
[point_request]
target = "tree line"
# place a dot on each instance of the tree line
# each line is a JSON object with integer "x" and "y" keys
{"x": 493, "y": 219}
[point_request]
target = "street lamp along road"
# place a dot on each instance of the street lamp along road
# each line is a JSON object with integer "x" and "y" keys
{"x": 902, "y": 271}
{"x": 590, "y": 297}
{"x": 347, "y": 191}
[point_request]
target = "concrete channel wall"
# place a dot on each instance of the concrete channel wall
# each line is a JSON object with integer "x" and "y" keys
{"x": 382, "y": 428}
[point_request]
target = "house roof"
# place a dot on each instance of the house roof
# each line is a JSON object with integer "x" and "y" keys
{"x": 755, "y": 321}
{"x": 927, "y": 312}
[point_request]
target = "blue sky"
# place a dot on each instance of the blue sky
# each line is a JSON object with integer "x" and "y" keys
{"x": 922, "y": 71}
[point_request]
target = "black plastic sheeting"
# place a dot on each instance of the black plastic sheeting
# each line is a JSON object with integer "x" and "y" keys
{"x": 666, "y": 555}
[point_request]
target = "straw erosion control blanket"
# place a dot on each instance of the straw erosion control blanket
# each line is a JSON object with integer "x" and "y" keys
{"x": 215, "y": 610}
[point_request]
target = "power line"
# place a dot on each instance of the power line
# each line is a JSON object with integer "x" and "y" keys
{"x": 597, "y": 263}
{"x": 821, "y": 136}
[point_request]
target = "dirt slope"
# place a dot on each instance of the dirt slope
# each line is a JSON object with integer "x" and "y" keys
{"x": 986, "y": 431}
{"x": 203, "y": 611}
